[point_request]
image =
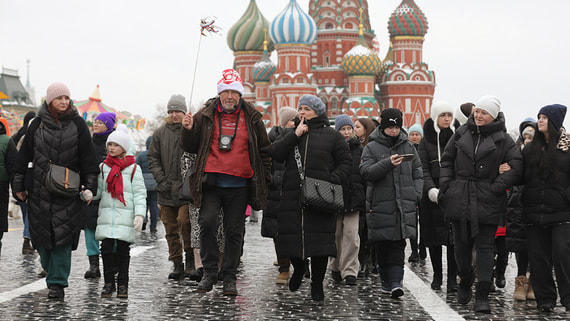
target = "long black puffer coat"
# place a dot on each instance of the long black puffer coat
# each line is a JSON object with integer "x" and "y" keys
{"x": 55, "y": 220}
{"x": 392, "y": 193}
{"x": 435, "y": 230}
{"x": 269, "y": 220}
{"x": 471, "y": 189}
{"x": 92, "y": 209}
{"x": 355, "y": 198}
{"x": 305, "y": 233}
{"x": 547, "y": 202}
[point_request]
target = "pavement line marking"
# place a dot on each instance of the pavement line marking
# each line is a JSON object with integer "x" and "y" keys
{"x": 429, "y": 300}
{"x": 41, "y": 283}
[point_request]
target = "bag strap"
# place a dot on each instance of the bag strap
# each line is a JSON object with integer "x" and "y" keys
{"x": 298, "y": 159}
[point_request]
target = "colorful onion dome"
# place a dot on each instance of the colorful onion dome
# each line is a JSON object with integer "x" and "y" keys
{"x": 263, "y": 69}
{"x": 293, "y": 25}
{"x": 248, "y": 33}
{"x": 407, "y": 20}
{"x": 360, "y": 60}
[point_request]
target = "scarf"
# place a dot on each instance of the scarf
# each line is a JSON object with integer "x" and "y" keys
{"x": 115, "y": 178}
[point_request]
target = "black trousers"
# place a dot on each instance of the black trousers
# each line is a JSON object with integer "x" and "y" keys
{"x": 233, "y": 201}
{"x": 484, "y": 243}
{"x": 550, "y": 247}
{"x": 116, "y": 258}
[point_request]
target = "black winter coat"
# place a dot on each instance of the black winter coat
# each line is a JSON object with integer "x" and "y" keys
{"x": 355, "y": 198}
{"x": 305, "y": 233}
{"x": 547, "y": 202}
{"x": 471, "y": 189}
{"x": 53, "y": 220}
{"x": 435, "y": 230}
{"x": 516, "y": 230}
{"x": 92, "y": 209}
{"x": 392, "y": 193}
{"x": 269, "y": 220}
{"x": 8, "y": 160}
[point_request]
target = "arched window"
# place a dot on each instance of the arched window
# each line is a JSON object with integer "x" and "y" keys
{"x": 329, "y": 26}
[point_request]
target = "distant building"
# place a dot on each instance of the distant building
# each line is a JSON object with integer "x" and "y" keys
{"x": 20, "y": 100}
{"x": 331, "y": 52}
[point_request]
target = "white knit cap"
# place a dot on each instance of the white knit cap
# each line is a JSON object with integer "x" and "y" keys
{"x": 120, "y": 138}
{"x": 490, "y": 104}
{"x": 440, "y": 107}
{"x": 231, "y": 80}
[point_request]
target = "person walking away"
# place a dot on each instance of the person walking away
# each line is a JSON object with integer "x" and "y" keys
{"x": 394, "y": 190}
{"x": 415, "y": 133}
{"x": 345, "y": 265}
{"x": 546, "y": 209}
{"x": 435, "y": 229}
{"x": 323, "y": 154}
{"x": 269, "y": 220}
{"x": 164, "y": 156}
{"x": 150, "y": 184}
{"x": 103, "y": 126}
{"x": 8, "y": 154}
{"x": 18, "y": 139}
{"x": 473, "y": 194}
{"x": 122, "y": 196}
{"x": 230, "y": 134}
{"x": 516, "y": 239}
{"x": 60, "y": 136}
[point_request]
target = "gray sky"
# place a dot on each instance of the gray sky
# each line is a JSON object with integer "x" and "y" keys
{"x": 141, "y": 52}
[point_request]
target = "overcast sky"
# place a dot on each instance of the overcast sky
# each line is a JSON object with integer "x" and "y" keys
{"x": 141, "y": 52}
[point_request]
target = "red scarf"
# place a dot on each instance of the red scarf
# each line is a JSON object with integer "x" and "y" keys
{"x": 115, "y": 178}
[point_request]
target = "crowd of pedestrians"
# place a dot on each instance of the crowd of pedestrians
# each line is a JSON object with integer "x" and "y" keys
{"x": 458, "y": 181}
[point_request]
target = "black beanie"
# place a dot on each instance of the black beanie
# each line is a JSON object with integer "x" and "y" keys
{"x": 391, "y": 117}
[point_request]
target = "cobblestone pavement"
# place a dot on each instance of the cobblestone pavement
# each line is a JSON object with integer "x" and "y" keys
{"x": 23, "y": 295}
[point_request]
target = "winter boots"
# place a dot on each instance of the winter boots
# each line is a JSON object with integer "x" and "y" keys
{"x": 93, "y": 271}
{"x": 464, "y": 292}
{"x": 189, "y": 264}
{"x": 27, "y": 247}
{"x": 482, "y": 297}
{"x": 177, "y": 271}
{"x": 521, "y": 284}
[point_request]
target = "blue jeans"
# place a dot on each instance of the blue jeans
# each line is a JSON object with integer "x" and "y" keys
{"x": 152, "y": 207}
{"x": 24, "y": 210}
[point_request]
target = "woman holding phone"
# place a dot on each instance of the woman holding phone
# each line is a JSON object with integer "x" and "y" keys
{"x": 393, "y": 173}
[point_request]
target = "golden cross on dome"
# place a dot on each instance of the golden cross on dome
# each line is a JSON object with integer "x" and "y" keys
{"x": 265, "y": 39}
{"x": 361, "y": 25}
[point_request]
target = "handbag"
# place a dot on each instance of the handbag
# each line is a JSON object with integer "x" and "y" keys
{"x": 62, "y": 181}
{"x": 317, "y": 194}
{"x": 185, "y": 194}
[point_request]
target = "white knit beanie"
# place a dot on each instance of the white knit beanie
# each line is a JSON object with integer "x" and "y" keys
{"x": 490, "y": 104}
{"x": 231, "y": 80}
{"x": 55, "y": 90}
{"x": 120, "y": 138}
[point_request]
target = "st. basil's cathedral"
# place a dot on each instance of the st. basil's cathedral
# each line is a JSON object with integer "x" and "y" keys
{"x": 331, "y": 52}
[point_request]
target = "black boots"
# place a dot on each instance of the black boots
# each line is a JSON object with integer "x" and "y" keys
{"x": 464, "y": 292}
{"x": 93, "y": 271}
{"x": 177, "y": 271}
{"x": 189, "y": 264}
{"x": 317, "y": 292}
{"x": 56, "y": 291}
{"x": 482, "y": 297}
{"x": 27, "y": 247}
{"x": 197, "y": 274}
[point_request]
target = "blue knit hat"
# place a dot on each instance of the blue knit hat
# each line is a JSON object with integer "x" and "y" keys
{"x": 343, "y": 120}
{"x": 315, "y": 103}
{"x": 416, "y": 128}
{"x": 555, "y": 114}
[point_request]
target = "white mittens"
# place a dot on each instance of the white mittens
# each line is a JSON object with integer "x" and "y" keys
{"x": 432, "y": 194}
{"x": 87, "y": 195}
{"x": 138, "y": 222}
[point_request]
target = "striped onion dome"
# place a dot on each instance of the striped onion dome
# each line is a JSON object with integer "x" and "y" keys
{"x": 248, "y": 33}
{"x": 263, "y": 69}
{"x": 293, "y": 25}
{"x": 407, "y": 20}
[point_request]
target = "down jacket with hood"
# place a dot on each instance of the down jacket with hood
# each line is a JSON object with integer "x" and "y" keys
{"x": 306, "y": 233}
{"x": 393, "y": 192}
{"x": 66, "y": 143}
{"x": 115, "y": 218}
{"x": 471, "y": 189}
{"x": 435, "y": 230}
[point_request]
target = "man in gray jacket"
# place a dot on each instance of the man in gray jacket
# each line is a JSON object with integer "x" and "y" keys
{"x": 164, "y": 156}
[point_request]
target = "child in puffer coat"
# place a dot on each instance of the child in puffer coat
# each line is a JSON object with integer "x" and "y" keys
{"x": 121, "y": 211}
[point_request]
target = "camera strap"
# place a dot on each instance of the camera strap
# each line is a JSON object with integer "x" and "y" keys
{"x": 220, "y": 122}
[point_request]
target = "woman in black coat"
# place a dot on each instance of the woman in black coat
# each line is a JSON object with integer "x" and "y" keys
{"x": 269, "y": 221}
{"x": 61, "y": 136}
{"x": 103, "y": 126}
{"x": 324, "y": 155}
{"x": 473, "y": 193}
{"x": 546, "y": 208}
{"x": 435, "y": 229}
